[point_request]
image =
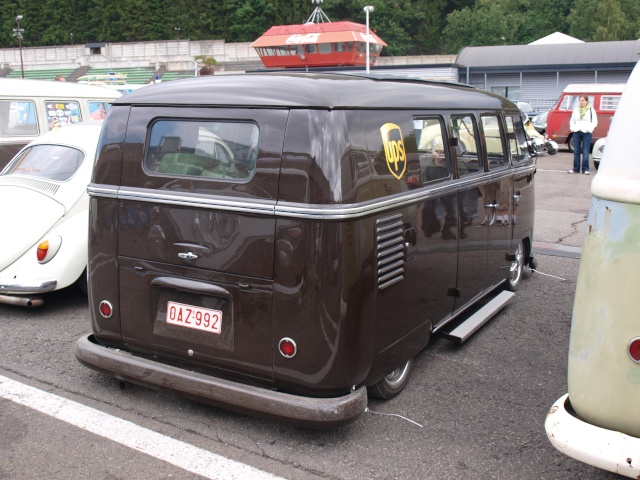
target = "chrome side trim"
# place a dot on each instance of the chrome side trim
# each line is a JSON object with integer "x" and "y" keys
{"x": 299, "y": 210}
{"x": 105, "y": 191}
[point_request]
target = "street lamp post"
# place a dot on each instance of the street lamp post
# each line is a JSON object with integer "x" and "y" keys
{"x": 177, "y": 30}
{"x": 368, "y": 9}
{"x": 72, "y": 42}
{"x": 17, "y": 32}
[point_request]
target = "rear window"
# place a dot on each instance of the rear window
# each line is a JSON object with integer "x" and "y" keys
{"x": 211, "y": 149}
{"x": 51, "y": 162}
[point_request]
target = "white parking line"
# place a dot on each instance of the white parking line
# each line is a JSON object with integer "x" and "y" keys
{"x": 175, "y": 452}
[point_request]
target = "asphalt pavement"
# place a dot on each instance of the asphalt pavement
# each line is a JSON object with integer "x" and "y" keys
{"x": 471, "y": 411}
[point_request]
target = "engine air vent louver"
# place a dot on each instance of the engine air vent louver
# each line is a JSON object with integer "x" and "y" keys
{"x": 390, "y": 250}
{"x": 42, "y": 185}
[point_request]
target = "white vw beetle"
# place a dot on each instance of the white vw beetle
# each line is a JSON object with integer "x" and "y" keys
{"x": 44, "y": 214}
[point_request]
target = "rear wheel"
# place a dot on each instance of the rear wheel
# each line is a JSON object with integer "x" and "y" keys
{"x": 82, "y": 282}
{"x": 392, "y": 384}
{"x": 570, "y": 143}
{"x": 516, "y": 270}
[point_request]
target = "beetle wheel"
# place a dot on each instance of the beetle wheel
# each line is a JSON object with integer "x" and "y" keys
{"x": 517, "y": 269}
{"x": 392, "y": 384}
{"x": 82, "y": 282}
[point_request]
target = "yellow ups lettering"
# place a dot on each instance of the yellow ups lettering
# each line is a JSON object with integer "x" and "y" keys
{"x": 394, "y": 150}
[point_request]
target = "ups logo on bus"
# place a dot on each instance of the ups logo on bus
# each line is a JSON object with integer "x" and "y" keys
{"x": 394, "y": 149}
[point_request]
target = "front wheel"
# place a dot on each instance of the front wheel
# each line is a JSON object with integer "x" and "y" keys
{"x": 516, "y": 269}
{"x": 392, "y": 384}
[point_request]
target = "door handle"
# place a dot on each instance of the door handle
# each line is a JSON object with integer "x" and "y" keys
{"x": 492, "y": 205}
{"x": 188, "y": 256}
{"x": 516, "y": 197}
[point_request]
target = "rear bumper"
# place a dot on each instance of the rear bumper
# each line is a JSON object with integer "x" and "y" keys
{"x": 247, "y": 399}
{"x": 602, "y": 448}
{"x": 37, "y": 286}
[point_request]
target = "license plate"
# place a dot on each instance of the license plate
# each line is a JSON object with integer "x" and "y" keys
{"x": 197, "y": 318}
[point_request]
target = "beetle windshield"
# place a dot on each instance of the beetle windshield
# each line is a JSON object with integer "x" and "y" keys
{"x": 52, "y": 162}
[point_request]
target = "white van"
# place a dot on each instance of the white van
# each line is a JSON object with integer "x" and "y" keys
{"x": 29, "y": 108}
{"x": 598, "y": 421}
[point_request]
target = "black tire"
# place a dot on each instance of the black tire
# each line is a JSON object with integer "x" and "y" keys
{"x": 570, "y": 143}
{"x": 392, "y": 384}
{"x": 516, "y": 271}
{"x": 82, "y": 282}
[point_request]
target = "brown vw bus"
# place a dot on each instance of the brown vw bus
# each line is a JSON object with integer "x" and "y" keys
{"x": 283, "y": 244}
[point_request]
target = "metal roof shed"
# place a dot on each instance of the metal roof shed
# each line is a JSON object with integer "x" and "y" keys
{"x": 538, "y": 73}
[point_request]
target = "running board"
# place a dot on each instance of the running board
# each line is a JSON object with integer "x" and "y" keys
{"x": 467, "y": 328}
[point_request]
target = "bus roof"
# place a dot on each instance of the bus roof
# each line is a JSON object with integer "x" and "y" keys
{"x": 49, "y": 88}
{"x": 310, "y": 90}
{"x": 595, "y": 88}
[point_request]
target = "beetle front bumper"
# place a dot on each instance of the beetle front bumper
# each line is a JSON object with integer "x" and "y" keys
{"x": 247, "y": 399}
{"x": 602, "y": 448}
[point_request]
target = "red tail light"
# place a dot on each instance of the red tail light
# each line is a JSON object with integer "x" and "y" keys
{"x": 43, "y": 248}
{"x": 634, "y": 349}
{"x": 106, "y": 310}
{"x": 47, "y": 249}
{"x": 287, "y": 348}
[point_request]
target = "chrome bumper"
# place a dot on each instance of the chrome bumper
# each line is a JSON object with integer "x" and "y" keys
{"x": 602, "y": 448}
{"x": 247, "y": 399}
{"x": 38, "y": 286}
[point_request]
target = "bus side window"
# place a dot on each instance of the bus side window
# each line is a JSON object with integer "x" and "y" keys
{"x": 434, "y": 161}
{"x": 493, "y": 135}
{"x": 517, "y": 139}
{"x": 18, "y": 117}
{"x": 463, "y": 127}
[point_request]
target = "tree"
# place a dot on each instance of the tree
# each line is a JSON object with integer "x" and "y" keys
{"x": 605, "y": 20}
{"x": 544, "y": 17}
{"x": 250, "y": 18}
{"x": 486, "y": 23}
{"x": 428, "y": 31}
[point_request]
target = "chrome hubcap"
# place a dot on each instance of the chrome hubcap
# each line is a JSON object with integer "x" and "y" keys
{"x": 516, "y": 266}
{"x": 396, "y": 377}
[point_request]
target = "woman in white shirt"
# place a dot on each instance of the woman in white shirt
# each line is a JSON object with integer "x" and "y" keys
{"x": 583, "y": 122}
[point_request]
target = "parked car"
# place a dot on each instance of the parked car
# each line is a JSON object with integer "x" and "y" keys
{"x": 540, "y": 123}
{"x": 44, "y": 215}
{"x": 598, "y": 421}
{"x": 598, "y": 150}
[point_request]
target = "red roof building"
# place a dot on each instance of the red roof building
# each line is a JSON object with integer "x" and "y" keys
{"x": 328, "y": 44}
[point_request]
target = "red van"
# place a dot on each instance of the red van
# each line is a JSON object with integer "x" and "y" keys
{"x": 603, "y": 97}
